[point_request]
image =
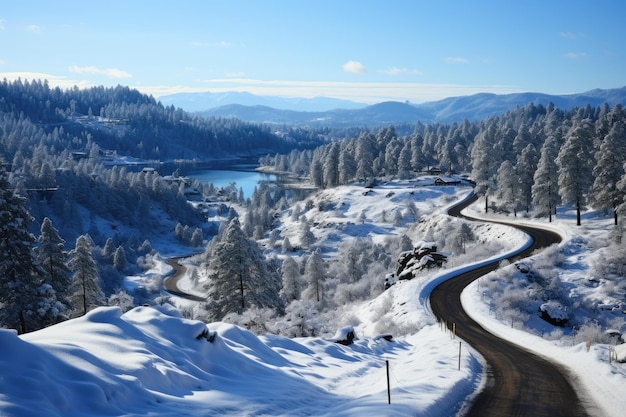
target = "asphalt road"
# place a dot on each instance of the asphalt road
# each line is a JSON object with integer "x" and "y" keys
{"x": 519, "y": 383}
{"x": 170, "y": 283}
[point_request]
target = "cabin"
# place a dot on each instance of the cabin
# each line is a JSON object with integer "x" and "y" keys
{"x": 442, "y": 181}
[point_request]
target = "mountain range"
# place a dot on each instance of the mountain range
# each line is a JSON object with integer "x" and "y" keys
{"x": 323, "y": 111}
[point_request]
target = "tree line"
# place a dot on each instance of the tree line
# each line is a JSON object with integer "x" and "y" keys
{"x": 533, "y": 158}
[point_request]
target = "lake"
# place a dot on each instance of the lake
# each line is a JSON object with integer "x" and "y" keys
{"x": 244, "y": 175}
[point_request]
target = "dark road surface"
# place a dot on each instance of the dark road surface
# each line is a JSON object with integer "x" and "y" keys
{"x": 170, "y": 283}
{"x": 519, "y": 383}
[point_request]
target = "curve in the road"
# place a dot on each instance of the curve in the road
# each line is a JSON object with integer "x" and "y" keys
{"x": 170, "y": 283}
{"x": 519, "y": 383}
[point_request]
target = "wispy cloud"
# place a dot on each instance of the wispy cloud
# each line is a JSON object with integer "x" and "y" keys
{"x": 2, "y": 26}
{"x": 33, "y": 28}
{"x": 54, "y": 80}
{"x": 393, "y": 71}
{"x": 456, "y": 60}
{"x": 109, "y": 72}
{"x": 354, "y": 67}
{"x": 572, "y": 35}
{"x": 219, "y": 44}
{"x": 365, "y": 92}
{"x": 239, "y": 74}
{"x": 576, "y": 55}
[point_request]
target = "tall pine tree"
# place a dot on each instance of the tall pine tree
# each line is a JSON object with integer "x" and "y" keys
{"x": 239, "y": 277}
{"x": 52, "y": 258}
{"x": 21, "y": 277}
{"x": 85, "y": 291}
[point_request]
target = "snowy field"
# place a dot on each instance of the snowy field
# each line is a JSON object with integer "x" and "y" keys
{"x": 150, "y": 361}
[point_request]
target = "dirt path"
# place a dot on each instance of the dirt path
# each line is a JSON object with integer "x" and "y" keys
{"x": 519, "y": 383}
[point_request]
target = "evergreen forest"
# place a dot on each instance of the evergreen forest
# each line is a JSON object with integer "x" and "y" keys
{"x": 67, "y": 175}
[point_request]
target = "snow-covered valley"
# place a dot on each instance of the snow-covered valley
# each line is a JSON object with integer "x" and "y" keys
{"x": 152, "y": 361}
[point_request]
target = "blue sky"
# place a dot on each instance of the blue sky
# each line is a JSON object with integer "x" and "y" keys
{"x": 368, "y": 51}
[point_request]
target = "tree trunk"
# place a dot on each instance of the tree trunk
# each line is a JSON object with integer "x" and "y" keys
{"x": 243, "y": 301}
{"x": 578, "y": 212}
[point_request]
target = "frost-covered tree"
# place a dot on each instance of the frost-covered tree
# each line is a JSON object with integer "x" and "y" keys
{"x": 461, "y": 237}
{"x": 485, "y": 162}
{"x": 575, "y": 161}
{"x": 331, "y": 166}
{"x": 119, "y": 259}
{"x": 545, "y": 189}
{"x": 85, "y": 292}
{"x": 292, "y": 285}
{"x": 525, "y": 170}
{"x": 404, "y": 161}
{"x": 347, "y": 165}
{"x": 52, "y": 257}
{"x": 238, "y": 275}
{"x": 609, "y": 169}
{"x": 507, "y": 187}
{"x": 365, "y": 152}
{"x": 307, "y": 238}
{"x": 21, "y": 277}
{"x": 196, "y": 238}
{"x": 315, "y": 273}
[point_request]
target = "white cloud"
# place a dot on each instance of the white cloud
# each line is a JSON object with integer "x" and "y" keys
{"x": 53, "y": 80}
{"x": 572, "y": 35}
{"x": 393, "y": 71}
{"x": 365, "y": 92}
{"x": 456, "y": 60}
{"x": 354, "y": 67}
{"x": 239, "y": 74}
{"x": 575, "y": 55}
{"x": 109, "y": 72}
{"x": 33, "y": 28}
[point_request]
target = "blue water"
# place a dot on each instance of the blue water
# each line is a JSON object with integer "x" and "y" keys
{"x": 244, "y": 176}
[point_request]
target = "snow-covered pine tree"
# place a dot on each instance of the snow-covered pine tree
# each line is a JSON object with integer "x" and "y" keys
{"x": 609, "y": 168}
{"x": 576, "y": 162}
{"x": 545, "y": 189}
{"x": 21, "y": 277}
{"x": 507, "y": 187}
{"x": 525, "y": 169}
{"x": 315, "y": 272}
{"x": 52, "y": 258}
{"x": 238, "y": 276}
{"x": 85, "y": 292}
{"x": 292, "y": 286}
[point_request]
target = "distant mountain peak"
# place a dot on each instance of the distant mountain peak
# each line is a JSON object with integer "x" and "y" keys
{"x": 259, "y": 109}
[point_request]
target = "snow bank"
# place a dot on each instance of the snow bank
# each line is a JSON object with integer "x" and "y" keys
{"x": 150, "y": 361}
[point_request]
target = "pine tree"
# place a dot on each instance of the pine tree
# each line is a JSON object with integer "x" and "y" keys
{"x": 85, "y": 292}
{"x": 485, "y": 162}
{"x": 315, "y": 272}
{"x": 525, "y": 169}
{"x": 290, "y": 272}
{"x": 238, "y": 275}
{"x": 119, "y": 259}
{"x": 609, "y": 168}
{"x": 507, "y": 187}
{"x": 52, "y": 258}
{"x": 545, "y": 187}
{"x": 575, "y": 161}
{"x": 21, "y": 277}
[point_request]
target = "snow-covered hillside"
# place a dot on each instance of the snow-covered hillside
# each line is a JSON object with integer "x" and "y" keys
{"x": 151, "y": 361}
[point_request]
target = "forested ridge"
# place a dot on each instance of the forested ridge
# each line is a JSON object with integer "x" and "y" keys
{"x": 60, "y": 183}
{"x": 530, "y": 159}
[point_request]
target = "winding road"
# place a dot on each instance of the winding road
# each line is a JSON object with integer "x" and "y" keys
{"x": 519, "y": 383}
{"x": 170, "y": 283}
